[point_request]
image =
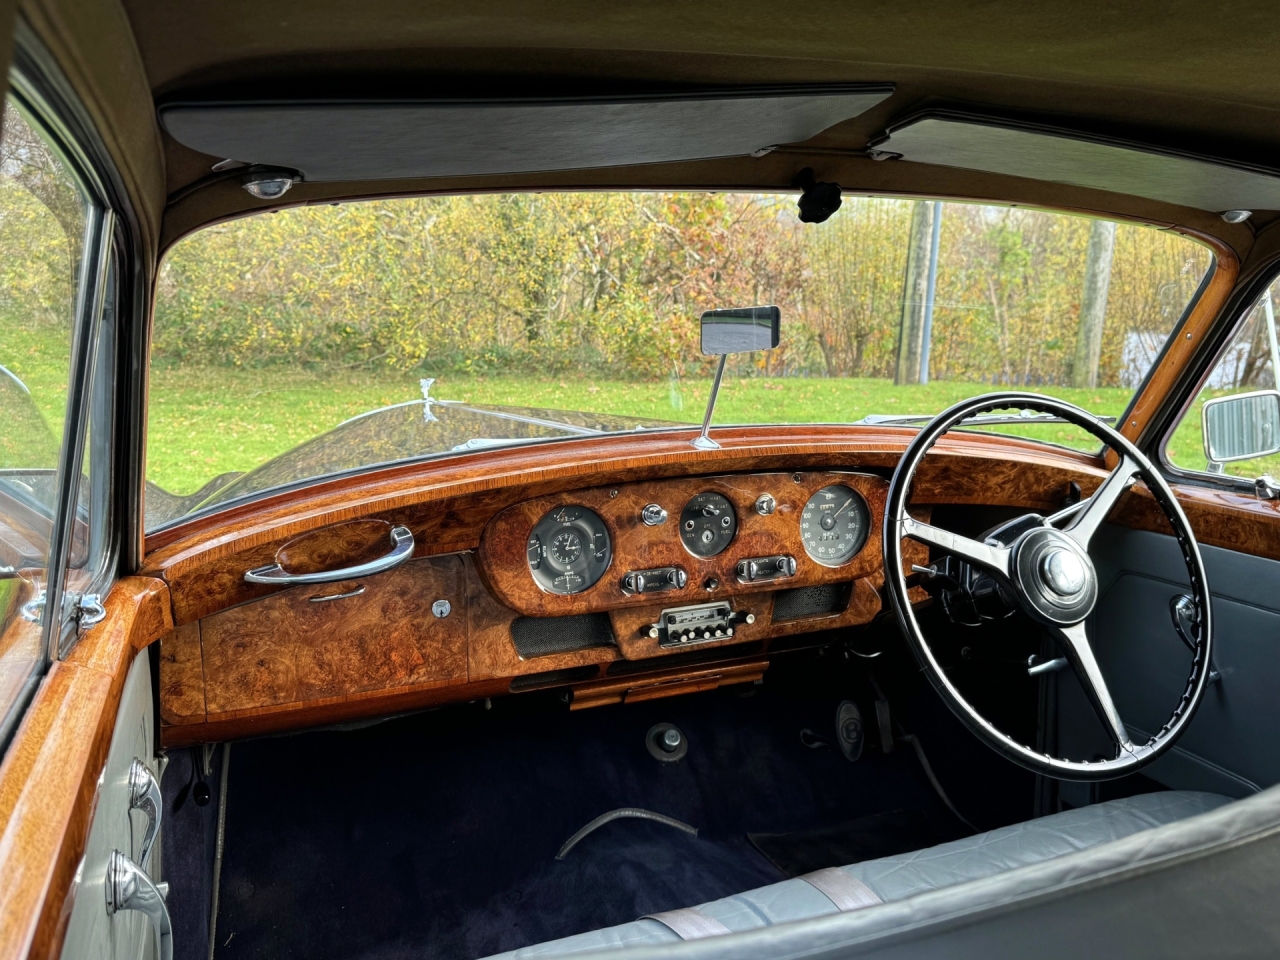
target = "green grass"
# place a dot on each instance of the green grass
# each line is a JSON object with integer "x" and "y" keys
{"x": 206, "y": 421}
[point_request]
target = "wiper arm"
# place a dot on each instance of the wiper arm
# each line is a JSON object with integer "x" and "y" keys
{"x": 876, "y": 419}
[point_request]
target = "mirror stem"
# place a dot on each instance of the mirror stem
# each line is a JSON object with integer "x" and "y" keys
{"x": 704, "y": 442}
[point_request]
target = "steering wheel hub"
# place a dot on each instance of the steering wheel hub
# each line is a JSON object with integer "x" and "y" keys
{"x": 1062, "y": 572}
{"x": 1054, "y": 578}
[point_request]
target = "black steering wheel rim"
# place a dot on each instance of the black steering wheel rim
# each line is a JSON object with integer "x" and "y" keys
{"x": 1007, "y": 563}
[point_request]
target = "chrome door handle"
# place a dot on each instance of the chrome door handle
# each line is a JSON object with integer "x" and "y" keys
{"x": 128, "y": 888}
{"x": 402, "y": 550}
{"x": 144, "y": 795}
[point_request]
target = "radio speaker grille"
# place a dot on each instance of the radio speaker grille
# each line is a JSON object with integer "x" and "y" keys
{"x": 811, "y": 601}
{"x": 541, "y": 636}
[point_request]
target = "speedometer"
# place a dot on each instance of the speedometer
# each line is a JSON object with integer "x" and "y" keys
{"x": 834, "y": 525}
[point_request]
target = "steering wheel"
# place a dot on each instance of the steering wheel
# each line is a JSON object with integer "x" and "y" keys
{"x": 1042, "y": 566}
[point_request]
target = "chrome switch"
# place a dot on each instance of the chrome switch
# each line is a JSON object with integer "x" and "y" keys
{"x": 766, "y": 568}
{"x": 654, "y": 581}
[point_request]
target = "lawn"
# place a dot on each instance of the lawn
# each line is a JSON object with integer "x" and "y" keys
{"x": 209, "y": 420}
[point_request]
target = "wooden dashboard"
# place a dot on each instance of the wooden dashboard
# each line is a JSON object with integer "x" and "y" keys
{"x": 465, "y": 619}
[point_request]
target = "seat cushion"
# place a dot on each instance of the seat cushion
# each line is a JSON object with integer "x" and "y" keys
{"x": 899, "y": 877}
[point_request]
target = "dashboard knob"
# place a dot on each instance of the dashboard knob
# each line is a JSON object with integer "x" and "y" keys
{"x": 653, "y": 515}
{"x": 711, "y": 510}
{"x": 765, "y": 504}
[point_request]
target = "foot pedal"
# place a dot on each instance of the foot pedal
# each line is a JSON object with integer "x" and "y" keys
{"x": 849, "y": 730}
{"x": 885, "y": 725}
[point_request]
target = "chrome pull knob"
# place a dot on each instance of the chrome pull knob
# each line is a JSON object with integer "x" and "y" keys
{"x": 144, "y": 795}
{"x": 653, "y": 515}
{"x": 128, "y": 888}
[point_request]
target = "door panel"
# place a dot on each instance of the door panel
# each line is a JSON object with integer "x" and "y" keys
{"x": 128, "y": 934}
{"x": 1231, "y": 746}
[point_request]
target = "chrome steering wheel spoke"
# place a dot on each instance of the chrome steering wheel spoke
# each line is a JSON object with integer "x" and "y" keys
{"x": 1079, "y": 652}
{"x": 993, "y": 557}
{"x": 1099, "y": 506}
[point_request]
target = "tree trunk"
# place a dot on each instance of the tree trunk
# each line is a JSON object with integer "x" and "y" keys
{"x": 914, "y": 291}
{"x": 1093, "y": 303}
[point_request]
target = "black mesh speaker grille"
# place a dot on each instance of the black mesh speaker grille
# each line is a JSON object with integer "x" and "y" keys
{"x": 811, "y": 601}
{"x": 540, "y": 636}
{"x": 553, "y": 678}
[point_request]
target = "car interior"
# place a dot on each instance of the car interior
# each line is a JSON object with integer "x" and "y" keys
{"x": 541, "y": 480}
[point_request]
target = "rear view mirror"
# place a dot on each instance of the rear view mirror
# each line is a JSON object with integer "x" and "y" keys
{"x": 1241, "y": 427}
{"x": 740, "y": 330}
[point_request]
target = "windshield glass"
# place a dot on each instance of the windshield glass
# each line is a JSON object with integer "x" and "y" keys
{"x": 325, "y": 339}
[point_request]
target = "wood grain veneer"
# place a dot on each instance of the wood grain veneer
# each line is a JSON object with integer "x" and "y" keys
{"x": 447, "y": 503}
{"x": 640, "y": 689}
{"x": 1185, "y": 344}
{"x": 492, "y": 653}
{"x": 291, "y": 648}
{"x": 182, "y": 676}
{"x": 503, "y": 564}
{"x": 48, "y": 778}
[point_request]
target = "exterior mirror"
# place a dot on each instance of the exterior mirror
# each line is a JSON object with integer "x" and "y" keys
{"x": 1241, "y": 427}
{"x": 740, "y": 330}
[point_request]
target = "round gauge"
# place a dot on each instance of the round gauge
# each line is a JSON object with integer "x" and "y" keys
{"x": 569, "y": 550}
{"x": 707, "y": 524}
{"x": 834, "y": 525}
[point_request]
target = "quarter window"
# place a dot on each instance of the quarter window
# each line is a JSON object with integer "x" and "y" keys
{"x": 1233, "y": 425}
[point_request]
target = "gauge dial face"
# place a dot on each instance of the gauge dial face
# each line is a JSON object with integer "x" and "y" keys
{"x": 707, "y": 524}
{"x": 569, "y": 550}
{"x": 834, "y": 525}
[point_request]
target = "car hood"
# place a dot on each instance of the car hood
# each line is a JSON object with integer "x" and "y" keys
{"x": 419, "y": 428}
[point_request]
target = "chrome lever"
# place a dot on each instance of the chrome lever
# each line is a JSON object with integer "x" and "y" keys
{"x": 144, "y": 795}
{"x": 33, "y": 610}
{"x": 128, "y": 888}
{"x": 1183, "y": 610}
{"x": 401, "y": 550}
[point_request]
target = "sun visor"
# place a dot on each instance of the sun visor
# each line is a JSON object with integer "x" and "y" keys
{"x": 410, "y": 140}
{"x": 1061, "y": 156}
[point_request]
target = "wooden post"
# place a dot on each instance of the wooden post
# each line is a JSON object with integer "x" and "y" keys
{"x": 1093, "y": 303}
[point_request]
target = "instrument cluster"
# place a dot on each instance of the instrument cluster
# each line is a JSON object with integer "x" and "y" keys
{"x": 572, "y": 545}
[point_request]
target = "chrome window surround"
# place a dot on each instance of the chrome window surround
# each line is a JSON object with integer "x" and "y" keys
{"x": 33, "y": 86}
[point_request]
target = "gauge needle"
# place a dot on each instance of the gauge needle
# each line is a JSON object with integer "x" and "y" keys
{"x": 841, "y": 510}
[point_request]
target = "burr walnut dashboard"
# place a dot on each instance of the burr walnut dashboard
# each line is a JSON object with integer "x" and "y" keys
{"x": 468, "y": 617}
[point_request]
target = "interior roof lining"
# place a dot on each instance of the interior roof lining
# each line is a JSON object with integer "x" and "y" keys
{"x": 365, "y": 140}
{"x": 954, "y": 138}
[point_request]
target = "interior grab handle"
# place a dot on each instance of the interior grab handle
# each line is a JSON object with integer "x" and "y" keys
{"x": 128, "y": 888}
{"x": 144, "y": 795}
{"x": 401, "y": 550}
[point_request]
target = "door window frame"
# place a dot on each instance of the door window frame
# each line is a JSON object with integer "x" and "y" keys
{"x": 92, "y": 389}
{"x": 1238, "y": 309}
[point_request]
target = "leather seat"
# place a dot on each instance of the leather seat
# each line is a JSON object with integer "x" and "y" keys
{"x": 898, "y": 877}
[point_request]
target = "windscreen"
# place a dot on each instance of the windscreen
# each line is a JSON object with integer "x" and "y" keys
{"x": 325, "y": 339}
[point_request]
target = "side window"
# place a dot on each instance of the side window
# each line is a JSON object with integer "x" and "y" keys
{"x": 1233, "y": 427}
{"x": 46, "y": 217}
